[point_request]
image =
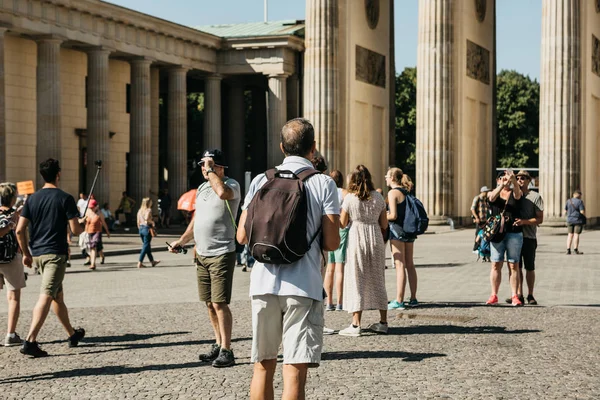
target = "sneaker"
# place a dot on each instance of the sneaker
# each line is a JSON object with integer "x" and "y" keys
{"x": 33, "y": 350}
{"x": 330, "y": 307}
{"x": 509, "y": 300}
{"x": 13, "y": 341}
{"x": 212, "y": 355}
{"x": 413, "y": 303}
{"x": 492, "y": 300}
{"x": 577, "y": 251}
{"x": 328, "y": 331}
{"x": 531, "y": 300}
{"x": 516, "y": 302}
{"x": 351, "y": 331}
{"x": 568, "y": 252}
{"x": 339, "y": 308}
{"x": 378, "y": 328}
{"x": 88, "y": 262}
{"x": 76, "y": 337}
{"x": 225, "y": 359}
{"x": 396, "y": 305}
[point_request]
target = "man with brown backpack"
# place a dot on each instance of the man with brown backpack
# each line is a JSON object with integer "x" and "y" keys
{"x": 290, "y": 215}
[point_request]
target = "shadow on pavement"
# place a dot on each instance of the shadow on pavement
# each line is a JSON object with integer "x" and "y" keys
{"x": 458, "y": 330}
{"x": 127, "y": 337}
{"x": 446, "y": 265}
{"x": 466, "y": 304}
{"x": 352, "y": 355}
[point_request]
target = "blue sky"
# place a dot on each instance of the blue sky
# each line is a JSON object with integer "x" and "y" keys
{"x": 518, "y": 24}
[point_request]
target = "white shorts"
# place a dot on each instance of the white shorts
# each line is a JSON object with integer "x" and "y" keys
{"x": 296, "y": 322}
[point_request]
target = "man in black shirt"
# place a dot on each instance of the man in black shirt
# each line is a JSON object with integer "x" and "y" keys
{"x": 47, "y": 213}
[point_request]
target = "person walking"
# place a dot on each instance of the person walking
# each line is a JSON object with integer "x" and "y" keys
{"x": 506, "y": 204}
{"x": 287, "y": 300}
{"x": 93, "y": 227}
{"x": 125, "y": 207}
{"x": 401, "y": 243}
{"x": 480, "y": 208}
{"x": 364, "y": 274}
{"x": 47, "y": 213}
{"x": 145, "y": 224}
{"x": 165, "y": 203}
{"x": 213, "y": 229}
{"x": 11, "y": 266}
{"x": 532, "y": 215}
{"x": 337, "y": 258}
{"x": 576, "y": 219}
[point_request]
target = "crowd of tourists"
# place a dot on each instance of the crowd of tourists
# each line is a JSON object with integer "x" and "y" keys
{"x": 290, "y": 216}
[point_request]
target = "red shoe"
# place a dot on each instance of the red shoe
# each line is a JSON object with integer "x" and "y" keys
{"x": 492, "y": 300}
{"x": 516, "y": 302}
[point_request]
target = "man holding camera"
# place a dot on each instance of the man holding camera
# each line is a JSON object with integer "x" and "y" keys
{"x": 213, "y": 229}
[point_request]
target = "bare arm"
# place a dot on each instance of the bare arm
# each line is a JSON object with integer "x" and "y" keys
{"x": 493, "y": 195}
{"x": 75, "y": 225}
{"x": 241, "y": 234}
{"x": 104, "y": 225}
{"x": 221, "y": 189}
{"x": 383, "y": 219}
{"x": 344, "y": 218}
{"x": 331, "y": 233}
{"x": 24, "y": 240}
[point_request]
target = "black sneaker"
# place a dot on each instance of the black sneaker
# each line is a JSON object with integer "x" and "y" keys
{"x": 531, "y": 300}
{"x": 225, "y": 359}
{"x": 212, "y": 354}
{"x": 577, "y": 251}
{"x": 76, "y": 337}
{"x": 568, "y": 252}
{"x": 33, "y": 350}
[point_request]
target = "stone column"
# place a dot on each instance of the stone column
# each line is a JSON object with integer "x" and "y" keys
{"x": 560, "y": 105}
{"x": 140, "y": 134}
{"x": 3, "y": 177}
{"x": 258, "y": 142}
{"x": 48, "y": 102}
{"x": 98, "y": 126}
{"x": 154, "y": 127}
{"x": 177, "y": 132}
{"x": 321, "y": 78}
{"x": 435, "y": 108}
{"x": 236, "y": 135}
{"x": 293, "y": 96}
{"x": 212, "y": 112}
{"x": 277, "y": 117}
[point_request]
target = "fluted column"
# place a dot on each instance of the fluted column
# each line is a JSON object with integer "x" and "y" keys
{"x": 236, "y": 135}
{"x": 98, "y": 126}
{"x": 48, "y": 101}
{"x": 3, "y": 177}
{"x": 258, "y": 141}
{"x": 177, "y": 140}
{"x": 293, "y": 97}
{"x": 560, "y": 104}
{"x": 140, "y": 136}
{"x": 321, "y": 78}
{"x": 277, "y": 117}
{"x": 212, "y": 112}
{"x": 154, "y": 127}
{"x": 435, "y": 108}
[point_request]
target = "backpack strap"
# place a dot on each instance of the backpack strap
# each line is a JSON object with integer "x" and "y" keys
{"x": 306, "y": 173}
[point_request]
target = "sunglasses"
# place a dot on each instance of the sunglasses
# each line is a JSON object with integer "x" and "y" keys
{"x": 522, "y": 178}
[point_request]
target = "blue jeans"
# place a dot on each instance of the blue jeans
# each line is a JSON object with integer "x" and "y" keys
{"x": 511, "y": 245}
{"x": 146, "y": 239}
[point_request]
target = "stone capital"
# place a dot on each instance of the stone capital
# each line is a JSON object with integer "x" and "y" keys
{"x": 281, "y": 76}
{"x": 48, "y": 39}
{"x": 141, "y": 60}
{"x": 214, "y": 77}
{"x": 98, "y": 50}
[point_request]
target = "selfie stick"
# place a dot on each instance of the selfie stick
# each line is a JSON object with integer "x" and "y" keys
{"x": 98, "y": 168}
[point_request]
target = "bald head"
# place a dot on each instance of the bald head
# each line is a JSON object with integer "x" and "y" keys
{"x": 297, "y": 138}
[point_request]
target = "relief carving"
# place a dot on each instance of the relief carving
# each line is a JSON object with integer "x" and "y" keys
{"x": 478, "y": 62}
{"x": 595, "y": 55}
{"x": 370, "y": 67}
{"x": 480, "y": 9}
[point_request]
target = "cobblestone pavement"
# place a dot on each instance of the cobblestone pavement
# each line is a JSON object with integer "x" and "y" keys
{"x": 146, "y": 329}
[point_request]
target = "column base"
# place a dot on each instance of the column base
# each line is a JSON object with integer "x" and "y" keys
{"x": 554, "y": 222}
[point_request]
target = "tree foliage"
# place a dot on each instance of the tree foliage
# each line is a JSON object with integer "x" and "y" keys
{"x": 518, "y": 103}
{"x": 406, "y": 120}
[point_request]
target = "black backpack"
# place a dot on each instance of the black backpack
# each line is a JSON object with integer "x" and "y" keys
{"x": 276, "y": 219}
{"x": 8, "y": 243}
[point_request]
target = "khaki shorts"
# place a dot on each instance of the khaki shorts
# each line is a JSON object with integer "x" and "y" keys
{"x": 52, "y": 267}
{"x": 12, "y": 274}
{"x": 215, "y": 277}
{"x": 294, "y": 321}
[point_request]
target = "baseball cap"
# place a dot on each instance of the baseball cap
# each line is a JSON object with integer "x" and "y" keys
{"x": 524, "y": 173}
{"x": 93, "y": 203}
{"x": 217, "y": 155}
{"x": 484, "y": 189}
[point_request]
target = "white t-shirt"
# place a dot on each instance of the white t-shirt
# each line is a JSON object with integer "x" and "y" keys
{"x": 302, "y": 278}
{"x": 81, "y": 204}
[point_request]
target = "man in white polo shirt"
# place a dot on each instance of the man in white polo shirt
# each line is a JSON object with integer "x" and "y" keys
{"x": 287, "y": 300}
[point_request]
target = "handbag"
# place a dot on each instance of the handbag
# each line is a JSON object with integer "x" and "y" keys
{"x": 581, "y": 216}
{"x": 153, "y": 232}
{"x": 495, "y": 226}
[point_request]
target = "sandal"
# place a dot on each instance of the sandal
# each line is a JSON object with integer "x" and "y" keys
{"x": 155, "y": 263}
{"x": 140, "y": 265}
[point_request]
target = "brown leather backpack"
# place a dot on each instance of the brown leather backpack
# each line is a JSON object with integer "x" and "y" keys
{"x": 276, "y": 219}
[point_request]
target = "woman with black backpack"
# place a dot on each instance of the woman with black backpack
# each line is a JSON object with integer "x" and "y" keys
{"x": 11, "y": 268}
{"x": 402, "y": 243}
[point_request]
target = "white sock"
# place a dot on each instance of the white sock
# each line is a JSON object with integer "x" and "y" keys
{"x": 11, "y": 335}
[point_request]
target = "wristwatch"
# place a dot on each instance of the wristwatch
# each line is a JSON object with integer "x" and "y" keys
{"x": 208, "y": 171}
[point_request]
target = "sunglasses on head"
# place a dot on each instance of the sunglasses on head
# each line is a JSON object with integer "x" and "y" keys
{"x": 522, "y": 178}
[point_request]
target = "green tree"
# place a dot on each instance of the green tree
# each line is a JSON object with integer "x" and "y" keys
{"x": 406, "y": 120}
{"x": 518, "y": 104}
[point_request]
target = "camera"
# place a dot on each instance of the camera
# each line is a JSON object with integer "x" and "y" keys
{"x": 98, "y": 163}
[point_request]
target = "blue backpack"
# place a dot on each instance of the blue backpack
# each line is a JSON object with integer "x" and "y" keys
{"x": 415, "y": 218}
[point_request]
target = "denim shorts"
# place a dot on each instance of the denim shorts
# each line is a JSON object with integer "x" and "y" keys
{"x": 511, "y": 246}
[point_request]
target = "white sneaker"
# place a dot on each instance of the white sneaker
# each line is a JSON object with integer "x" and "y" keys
{"x": 350, "y": 331}
{"x": 328, "y": 331}
{"x": 378, "y": 328}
